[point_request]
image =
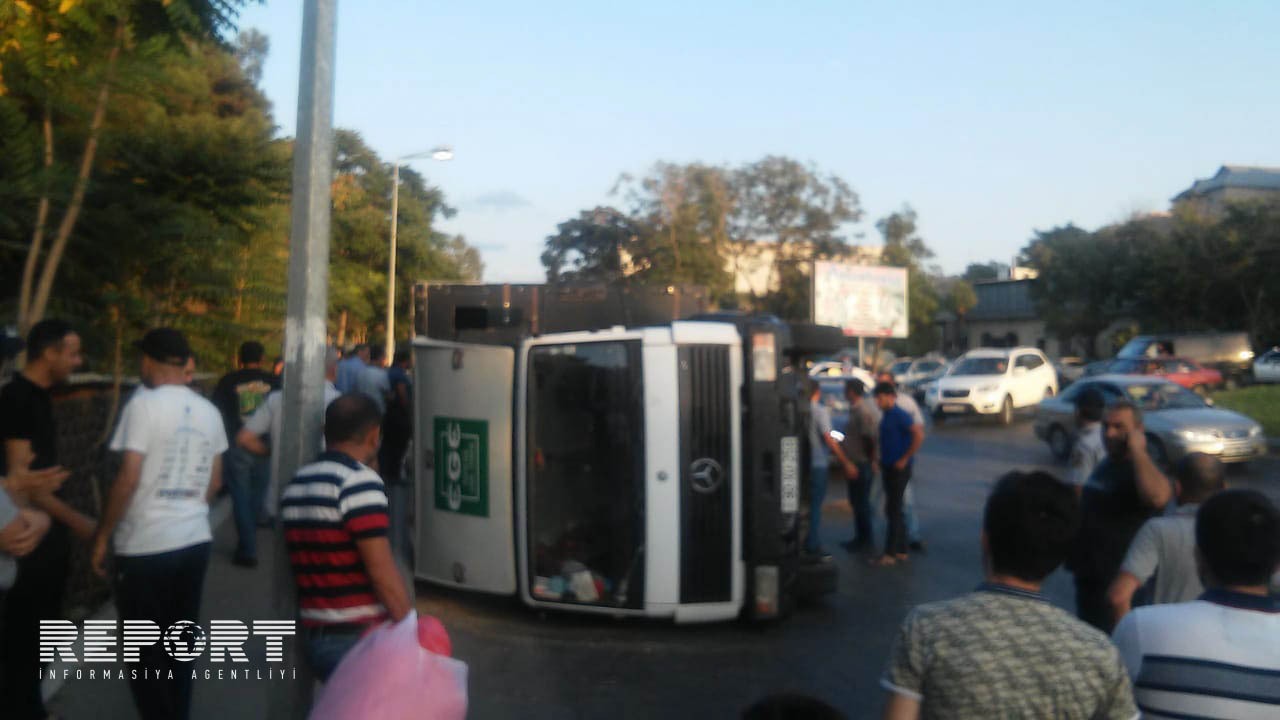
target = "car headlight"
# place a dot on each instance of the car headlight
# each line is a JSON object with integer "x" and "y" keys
{"x": 1246, "y": 354}
{"x": 1255, "y": 431}
{"x": 984, "y": 389}
{"x": 1199, "y": 435}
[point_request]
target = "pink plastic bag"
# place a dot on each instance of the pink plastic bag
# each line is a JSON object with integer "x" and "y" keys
{"x": 390, "y": 675}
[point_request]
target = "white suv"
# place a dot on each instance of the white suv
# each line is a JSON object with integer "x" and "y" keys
{"x": 993, "y": 381}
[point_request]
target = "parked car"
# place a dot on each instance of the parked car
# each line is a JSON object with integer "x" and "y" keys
{"x": 1189, "y": 374}
{"x": 993, "y": 381}
{"x": 1070, "y": 369}
{"x": 1266, "y": 369}
{"x": 1177, "y": 420}
{"x": 921, "y": 383}
{"x": 1230, "y": 353}
{"x": 1098, "y": 367}
{"x": 825, "y": 370}
{"x": 909, "y": 370}
{"x": 1186, "y": 373}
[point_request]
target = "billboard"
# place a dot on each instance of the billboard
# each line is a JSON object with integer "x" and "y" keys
{"x": 862, "y": 300}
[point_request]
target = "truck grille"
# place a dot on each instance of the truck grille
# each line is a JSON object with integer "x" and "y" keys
{"x": 955, "y": 393}
{"x": 706, "y": 508}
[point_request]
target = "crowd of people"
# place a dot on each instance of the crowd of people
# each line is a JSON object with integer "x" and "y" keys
{"x": 177, "y": 451}
{"x": 1196, "y": 559}
{"x": 1174, "y": 611}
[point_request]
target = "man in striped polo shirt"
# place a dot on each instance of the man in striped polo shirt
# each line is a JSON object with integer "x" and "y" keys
{"x": 1219, "y": 656}
{"x": 335, "y": 519}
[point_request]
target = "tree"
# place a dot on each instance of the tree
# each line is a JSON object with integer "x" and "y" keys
{"x": 801, "y": 213}
{"x": 61, "y": 61}
{"x": 682, "y": 214}
{"x": 903, "y": 247}
{"x": 361, "y": 227}
{"x": 980, "y": 272}
{"x": 961, "y": 298}
{"x": 1083, "y": 283}
{"x": 593, "y": 247}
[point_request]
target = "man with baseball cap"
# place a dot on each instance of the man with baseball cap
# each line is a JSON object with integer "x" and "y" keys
{"x": 157, "y": 514}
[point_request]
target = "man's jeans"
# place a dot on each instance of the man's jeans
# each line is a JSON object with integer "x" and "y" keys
{"x": 860, "y": 501}
{"x": 246, "y": 476}
{"x": 908, "y": 508}
{"x": 163, "y": 588}
{"x": 817, "y": 496}
{"x": 326, "y": 648}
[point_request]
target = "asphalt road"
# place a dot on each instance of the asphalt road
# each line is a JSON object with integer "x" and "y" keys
{"x": 535, "y": 665}
{"x": 527, "y": 664}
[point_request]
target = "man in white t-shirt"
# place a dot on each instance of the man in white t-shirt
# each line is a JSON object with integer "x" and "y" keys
{"x": 1218, "y": 656}
{"x": 263, "y": 426}
{"x": 157, "y": 515}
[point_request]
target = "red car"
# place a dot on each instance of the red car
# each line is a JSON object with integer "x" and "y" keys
{"x": 1186, "y": 373}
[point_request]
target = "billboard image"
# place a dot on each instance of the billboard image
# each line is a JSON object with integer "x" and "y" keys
{"x": 862, "y": 300}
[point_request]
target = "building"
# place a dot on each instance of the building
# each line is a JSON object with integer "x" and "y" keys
{"x": 1232, "y": 184}
{"x": 752, "y": 263}
{"x": 1005, "y": 316}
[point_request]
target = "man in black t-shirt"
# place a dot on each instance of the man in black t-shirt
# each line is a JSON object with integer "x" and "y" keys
{"x": 28, "y": 437}
{"x": 238, "y": 395}
{"x": 1123, "y": 492}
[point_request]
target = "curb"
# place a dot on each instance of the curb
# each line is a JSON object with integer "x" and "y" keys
{"x": 50, "y": 686}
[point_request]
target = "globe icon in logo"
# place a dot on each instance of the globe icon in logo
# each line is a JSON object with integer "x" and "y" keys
{"x": 185, "y": 641}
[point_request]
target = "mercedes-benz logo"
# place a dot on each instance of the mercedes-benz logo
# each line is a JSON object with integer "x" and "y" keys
{"x": 705, "y": 475}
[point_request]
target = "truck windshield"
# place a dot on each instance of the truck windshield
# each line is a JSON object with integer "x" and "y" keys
{"x": 586, "y": 474}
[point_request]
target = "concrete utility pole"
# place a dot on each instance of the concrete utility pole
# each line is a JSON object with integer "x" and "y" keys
{"x": 307, "y": 308}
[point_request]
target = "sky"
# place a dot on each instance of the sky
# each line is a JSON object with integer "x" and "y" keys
{"x": 990, "y": 119}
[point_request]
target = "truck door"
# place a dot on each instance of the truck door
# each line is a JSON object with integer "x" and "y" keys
{"x": 463, "y": 465}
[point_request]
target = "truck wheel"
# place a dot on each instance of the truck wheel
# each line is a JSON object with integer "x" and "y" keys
{"x": 1059, "y": 443}
{"x": 1006, "y": 411}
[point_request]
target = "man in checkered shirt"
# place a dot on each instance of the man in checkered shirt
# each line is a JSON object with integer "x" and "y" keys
{"x": 1003, "y": 650}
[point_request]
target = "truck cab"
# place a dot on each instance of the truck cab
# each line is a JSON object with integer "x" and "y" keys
{"x": 652, "y": 470}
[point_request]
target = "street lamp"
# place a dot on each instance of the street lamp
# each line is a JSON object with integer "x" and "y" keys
{"x": 442, "y": 154}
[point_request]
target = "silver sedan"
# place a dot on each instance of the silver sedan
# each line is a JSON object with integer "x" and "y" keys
{"x": 1177, "y": 420}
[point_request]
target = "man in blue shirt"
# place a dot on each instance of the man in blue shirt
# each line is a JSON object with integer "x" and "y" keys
{"x": 900, "y": 439}
{"x": 350, "y": 368}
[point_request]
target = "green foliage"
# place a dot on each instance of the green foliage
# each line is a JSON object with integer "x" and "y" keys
{"x": 801, "y": 213}
{"x": 591, "y": 247}
{"x": 980, "y": 272}
{"x": 186, "y": 217}
{"x": 361, "y": 239}
{"x": 695, "y": 223}
{"x": 1192, "y": 273}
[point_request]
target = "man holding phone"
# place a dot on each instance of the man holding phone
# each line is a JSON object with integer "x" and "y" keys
{"x": 1124, "y": 491}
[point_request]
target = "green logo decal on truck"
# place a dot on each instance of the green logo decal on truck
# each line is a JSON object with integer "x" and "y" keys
{"x": 462, "y": 466}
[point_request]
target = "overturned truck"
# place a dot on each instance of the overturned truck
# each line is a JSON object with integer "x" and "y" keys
{"x": 612, "y": 450}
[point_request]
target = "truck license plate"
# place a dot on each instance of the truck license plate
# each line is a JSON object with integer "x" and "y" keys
{"x": 790, "y": 456}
